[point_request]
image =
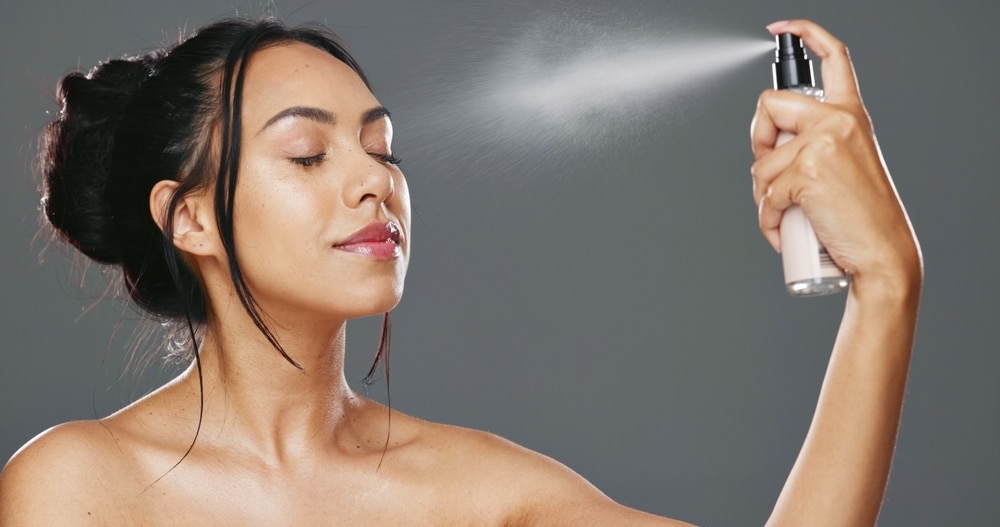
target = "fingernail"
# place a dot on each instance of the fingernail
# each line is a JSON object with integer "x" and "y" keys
{"x": 773, "y": 26}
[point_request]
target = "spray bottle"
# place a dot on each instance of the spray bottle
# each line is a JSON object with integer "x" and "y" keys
{"x": 809, "y": 270}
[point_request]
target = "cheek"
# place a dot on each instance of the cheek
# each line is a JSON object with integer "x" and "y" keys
{"x": 273, "y": 211}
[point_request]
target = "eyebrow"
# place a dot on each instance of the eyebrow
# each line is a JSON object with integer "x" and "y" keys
{"x": 323, "y": 116}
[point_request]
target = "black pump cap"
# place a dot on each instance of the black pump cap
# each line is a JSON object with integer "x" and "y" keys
{"x": 792, "y": 67}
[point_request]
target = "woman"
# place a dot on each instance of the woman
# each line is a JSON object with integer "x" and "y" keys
{"x": 245, "y": 183}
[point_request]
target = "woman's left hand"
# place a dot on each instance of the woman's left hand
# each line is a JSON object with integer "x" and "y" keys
{"x": 832, "y": 168}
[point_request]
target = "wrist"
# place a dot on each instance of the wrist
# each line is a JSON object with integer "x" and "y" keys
{"x": 900, "y": 285}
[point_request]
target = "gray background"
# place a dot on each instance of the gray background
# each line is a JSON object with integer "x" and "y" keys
{"x": 610, "y": 304}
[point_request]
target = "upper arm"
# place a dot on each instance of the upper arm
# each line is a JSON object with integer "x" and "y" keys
{"x": 52, "y": 479}
{"x": 562, "y": 497}
{"x": 544, "y": 492}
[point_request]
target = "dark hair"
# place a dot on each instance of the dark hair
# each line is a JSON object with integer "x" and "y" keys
{"x": 133, "y": 122}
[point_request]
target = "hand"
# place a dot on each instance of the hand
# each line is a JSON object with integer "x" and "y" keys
{"x": 832, "y": 168}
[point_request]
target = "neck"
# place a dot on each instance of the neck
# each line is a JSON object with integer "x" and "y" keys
{"x": 254, "y": 396}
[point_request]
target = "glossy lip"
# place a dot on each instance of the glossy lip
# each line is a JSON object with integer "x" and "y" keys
{"x": 376, "y": 240}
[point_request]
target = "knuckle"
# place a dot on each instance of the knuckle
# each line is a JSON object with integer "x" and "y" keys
{"x": 766, "y": 97}
{"x": 824, "y": 146}
{"x": 809, "y": 164}
{"x": 761, "y": 174}
{"x": 840, "y": 128}
{"x": 840, "y": 49}
{"x": 802, "y": 195}
{"x": 845, "y": 123}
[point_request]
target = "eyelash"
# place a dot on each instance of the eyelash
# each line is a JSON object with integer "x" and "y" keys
{"x": 388, "y": 158}
{"x": 308, "y": 161}
{"x": 312, "y": 160}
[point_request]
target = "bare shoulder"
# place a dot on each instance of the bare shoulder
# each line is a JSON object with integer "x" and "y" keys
{"x": 57, "y": 477}
{"x": 533, "y": 488}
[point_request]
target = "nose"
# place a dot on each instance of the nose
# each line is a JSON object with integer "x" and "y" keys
{"x": 373, "y": 182}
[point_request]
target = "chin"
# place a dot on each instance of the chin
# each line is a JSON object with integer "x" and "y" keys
{"x": 374, "y": 304}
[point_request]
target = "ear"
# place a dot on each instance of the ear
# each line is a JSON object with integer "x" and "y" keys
{"x": 193, "y": 218}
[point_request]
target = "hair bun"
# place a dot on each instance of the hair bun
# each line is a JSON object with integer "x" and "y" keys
{"x": 77, "y": 150}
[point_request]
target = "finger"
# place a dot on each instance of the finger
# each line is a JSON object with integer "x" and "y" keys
{"x": 782, "y": 110}
{"x": 774, "y": 188}
{"x": 768, "y": 168}
{"x": 839, "y": 79}
{"x": 771, "y": 232}
{"x": 763, "y": 131}
{"x": 775, "y": 199}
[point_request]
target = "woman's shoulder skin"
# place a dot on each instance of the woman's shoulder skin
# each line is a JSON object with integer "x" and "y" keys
{"x": 542, "y": 491}
{"x": 63, "y": 476}
{"x": 112, "y": 472}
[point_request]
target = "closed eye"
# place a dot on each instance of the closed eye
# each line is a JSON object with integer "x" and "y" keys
{"x": 387, "y": 158}
{"x": 308, "y": 161}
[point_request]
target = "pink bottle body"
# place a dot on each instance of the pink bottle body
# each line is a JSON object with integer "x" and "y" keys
{"x": 809, "y": 270}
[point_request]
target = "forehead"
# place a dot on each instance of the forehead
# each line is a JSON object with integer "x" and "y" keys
{"x": 298, "y": 74}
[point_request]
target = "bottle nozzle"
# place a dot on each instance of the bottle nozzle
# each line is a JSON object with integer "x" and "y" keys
{"x": 792, "y": 67}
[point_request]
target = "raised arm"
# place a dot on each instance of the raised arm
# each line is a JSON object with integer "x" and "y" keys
{"x": 834, "y": 170}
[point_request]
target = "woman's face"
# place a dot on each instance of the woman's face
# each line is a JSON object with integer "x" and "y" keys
{"x": 321, "y": 214}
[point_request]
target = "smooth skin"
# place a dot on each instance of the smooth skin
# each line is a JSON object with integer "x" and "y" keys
{"x": 279, "y": 447}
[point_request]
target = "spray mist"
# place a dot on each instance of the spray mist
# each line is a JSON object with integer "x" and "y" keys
{"x": 809, "y": 270}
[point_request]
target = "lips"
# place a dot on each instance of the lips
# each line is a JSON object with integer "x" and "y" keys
{"x": 377, "y": 240}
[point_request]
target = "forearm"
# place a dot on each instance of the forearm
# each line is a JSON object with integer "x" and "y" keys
{"x": 840, "y": 475}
